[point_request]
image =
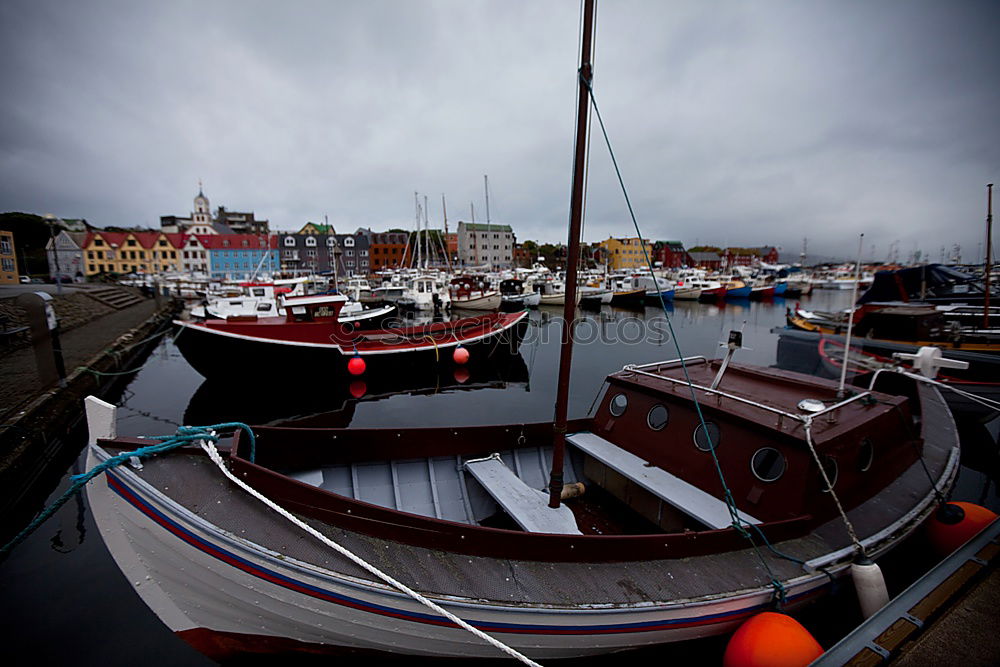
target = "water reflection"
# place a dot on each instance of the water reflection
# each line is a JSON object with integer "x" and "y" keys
{"x": 333, "y": 404}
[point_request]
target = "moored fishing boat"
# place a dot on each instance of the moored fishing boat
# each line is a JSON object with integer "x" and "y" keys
{"x": 460, "y": 510}
{"x": 427, "y": 538}
{"x": 737, "y": 289}
{"x": 309, "y": 336}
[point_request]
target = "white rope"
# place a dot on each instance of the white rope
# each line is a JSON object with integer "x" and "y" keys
{"x": 213, "y": 454}
{"x": 829, "y": 487}
{"x": 987, "y": 402}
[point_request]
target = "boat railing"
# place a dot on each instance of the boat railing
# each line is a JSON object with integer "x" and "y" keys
{"x": 805, "y": 419}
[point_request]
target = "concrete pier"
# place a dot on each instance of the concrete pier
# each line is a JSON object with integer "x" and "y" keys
{"x": 102, "y": 332}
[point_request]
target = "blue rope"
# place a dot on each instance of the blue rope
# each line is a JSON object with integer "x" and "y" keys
{"x": 184, "y": 436}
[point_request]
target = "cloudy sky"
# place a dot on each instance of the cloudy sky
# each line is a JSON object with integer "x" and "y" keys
{"x": 735, "y": 123}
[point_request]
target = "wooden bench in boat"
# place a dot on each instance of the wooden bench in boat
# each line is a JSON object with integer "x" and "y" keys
{"x": 527, "y": 506}
{"x": 673, "y": 490}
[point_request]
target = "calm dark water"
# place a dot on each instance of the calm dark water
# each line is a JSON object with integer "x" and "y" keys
{"x": 63, "y": 600}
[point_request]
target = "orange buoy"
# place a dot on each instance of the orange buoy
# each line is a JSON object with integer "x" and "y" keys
{"x": 771, "y": 639}
{"x": 358, "y": 388}
{"x": 955, "y": 523}
{"x": 461, "y": 355}
{"x": 461, "y": 375}
{"x": 356, "y": 366}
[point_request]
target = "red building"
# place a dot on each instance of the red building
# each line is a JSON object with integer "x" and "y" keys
{"x": 387, "y": 250}
{"x": 671, "y": 254}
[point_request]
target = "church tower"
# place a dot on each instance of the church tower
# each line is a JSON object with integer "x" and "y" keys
{"x": 202, "y": 214}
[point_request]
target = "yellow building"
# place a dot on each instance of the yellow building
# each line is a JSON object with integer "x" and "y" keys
{"x": 8, "y": 260}
{"x": 626, "y": 253}
{"x": 132, "y": 252}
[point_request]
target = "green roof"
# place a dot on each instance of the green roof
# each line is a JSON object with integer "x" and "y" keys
{"x": 483, "y": 227}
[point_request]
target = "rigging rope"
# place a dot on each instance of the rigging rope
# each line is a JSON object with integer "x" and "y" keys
{"x": 737, "y": 522}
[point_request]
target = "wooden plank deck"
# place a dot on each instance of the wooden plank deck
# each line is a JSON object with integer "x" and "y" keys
{"x": 673, "y": 490}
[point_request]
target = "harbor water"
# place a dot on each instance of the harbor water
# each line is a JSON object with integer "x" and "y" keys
{"x": 65, "y": 601}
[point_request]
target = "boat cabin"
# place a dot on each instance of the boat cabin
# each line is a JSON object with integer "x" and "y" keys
{"x": 755, "y": 421}
{"x": 313, "y": 307}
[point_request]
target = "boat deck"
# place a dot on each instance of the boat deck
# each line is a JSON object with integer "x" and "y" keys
{"x": 194, "y": 484}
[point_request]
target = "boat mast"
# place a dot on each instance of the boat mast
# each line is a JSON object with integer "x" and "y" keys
{"x": 486, "y": 188}
{"x": 989, "y": 253}
{"x": 576, "y": 214}
{"x": 416, "y": 207}
{"x": 444, "y": 240}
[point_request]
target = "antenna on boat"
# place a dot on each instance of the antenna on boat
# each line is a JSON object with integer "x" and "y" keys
{"x": 734, "y": 343}
{"x": 989, "y": 254}
{"x": 850, "y": 320}
{"x": 573, "y": 257}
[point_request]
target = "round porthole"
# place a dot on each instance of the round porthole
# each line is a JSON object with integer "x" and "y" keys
{"x": 767, "y": 464}
{"x": 658, "y": 417}
{"x": 866, "y": 454}
{"x": 618, "y": 405}
{"x": 706, "y": 436}
{"x": 830, "y": 467}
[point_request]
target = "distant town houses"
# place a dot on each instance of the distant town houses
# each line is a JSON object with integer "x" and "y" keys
{"x": 236, "y": 245}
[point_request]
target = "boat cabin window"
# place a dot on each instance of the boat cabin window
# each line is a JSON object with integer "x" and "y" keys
{"x": 866, "y": 454}
{"x": 706, "y": 440}
{"x": 830, "y": 466}
{"x": 618, "y": 405}
{"x": 767, "y": 464}
{"x": 258, "y": 291}
{"x": 657, "y": 417}
{"x": 235, "y": 303}
{"x": 264, "y": 307}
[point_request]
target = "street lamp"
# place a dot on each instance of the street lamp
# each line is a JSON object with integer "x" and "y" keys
{"x": 51, "y": 221}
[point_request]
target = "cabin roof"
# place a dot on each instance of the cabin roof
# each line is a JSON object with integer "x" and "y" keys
{"x": 765, "y": 391}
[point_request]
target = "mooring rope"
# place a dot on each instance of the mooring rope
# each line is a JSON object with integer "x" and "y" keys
{"x": 185, "y": 435}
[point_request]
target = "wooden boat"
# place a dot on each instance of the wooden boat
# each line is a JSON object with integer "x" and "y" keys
{"x": 762, "y": 292}
{"x": 309, "y": 336}
{"x": 737, "y": 289}
{"x": 595, "y": 297}
{"x": 645, "y": 555}
{"x": 513, "y": 296}
{"x": 473, "y": 293}
{"x": 427, "y": 534}
{"x": 914, "y": 325}
{"x": 930, "y": 283}
{"x": 686, "y": 292}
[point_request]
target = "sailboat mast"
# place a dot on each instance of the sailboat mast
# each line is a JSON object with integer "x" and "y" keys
{"x": 486, "y": 188}
{"x": 576, "y": 215}
{"x": 989, "y": 253}
{"x": 416, "y": 208}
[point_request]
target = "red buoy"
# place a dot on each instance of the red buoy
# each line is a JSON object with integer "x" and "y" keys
{"x": 771, "y": 639}
{"x": 955, "y": 523}
{"x": 358, "y": 388}
{"x": 461, "y": 355}
{"x": 356, "y": 366}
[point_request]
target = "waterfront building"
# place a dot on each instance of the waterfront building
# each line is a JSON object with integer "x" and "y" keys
{"x": 131, "y": 252}
{"x": 241, "y": 256}
{"x": 314, "y": 252}
{"x": 64, "y": 254}
{"x": 626, "y": 253}
{"x": 388, "y": 250}
{"x": 705, "y": 258}
{"x": 241, "y": 222}
{"x": 750, "y": 256}
{"x": 486, "y": 244}
{"x": 8, "y": 259}
{"x": 194, "y": 255}
{"x": 671, "y": 254}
